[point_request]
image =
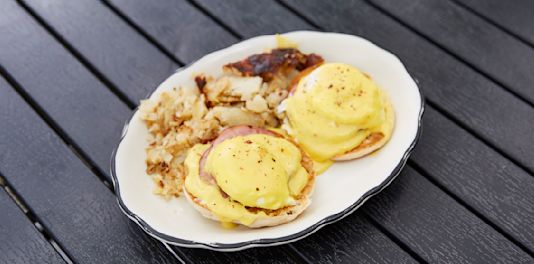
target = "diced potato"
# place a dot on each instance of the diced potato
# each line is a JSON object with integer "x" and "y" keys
{"x": 244, "y": 87}
{"x": 257, "y": 104}
{"x": 232, "y": 116}
{"x": 180, "y": 118}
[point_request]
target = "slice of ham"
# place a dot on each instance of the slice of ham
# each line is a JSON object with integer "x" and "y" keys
{"x": 228, "y": 133}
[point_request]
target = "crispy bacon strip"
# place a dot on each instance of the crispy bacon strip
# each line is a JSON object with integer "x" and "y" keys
{"x": 267, "y": 65}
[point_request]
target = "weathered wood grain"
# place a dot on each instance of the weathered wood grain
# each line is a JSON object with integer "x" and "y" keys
{"x": 272, "y": 255}
{"x": 487, "y": 48}
{"x": 250, "y": 19}
{"x": 183, "y": 30}
{"x": 513, "y": 15}
{"x": 359, "y": 242}
{"x": 480, "y": 177}
{"x": 436, "y": 227}
{"x": 21, "y": 242}
{"x": 122, "y": 55}
{"x": 74, "y": 111}
{"x": 93, "y": 89}
{"x": 237, "y": 29}
{"x": 77, "y": 209}
{"x": 472, "y": 171}
{"x": 82, "y": 107}
{"x": 352, "y": 240}
{"x": 471, "y": 99}
{"x": 378, "y": 247}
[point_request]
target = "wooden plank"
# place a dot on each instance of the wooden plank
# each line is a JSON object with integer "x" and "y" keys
{"x": 358, "y": 241}
{"x": 187, "y": 50}
{"x": 244, "y": 26}
{"x": 469, "y": 98}
{"x": 252, "y": 19}
{"x": 183, "y": 30}
{"x": 73, "y": 113}
{"x": 21, "y": 242}
{"x": 116, "y": 50}
{"x": 277, "y": 254}
{"x": 70, "y": 202}
{"x": 84, "y": 109}
{"x": 352, "y": 240}
{"x": 376, "y": 247}
{"x": 69, "y": 112}
{"x": 436, "y": 227}
{"x": 490, "y": 184}
{"x": 487, "y": 48}
{"x": 515, "y": 15}
{"x": 471, "y": 215}
{"x": 422, "y": 191}
{"x": 469, "y": 168}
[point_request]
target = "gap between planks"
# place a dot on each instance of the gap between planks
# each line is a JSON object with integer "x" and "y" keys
{"x": 240, "y": 37}
{"x": 180, "y": 255}
{"x": 450, "y": 53}
{"x": 65, "y": 138}
{"x": 430, "y": 102}
{"x": 142, "y": 32}
{"x": 206, "y": 12}
{"x": 218, "y": 21}
{"x": 423, "y": 171}
{"x": 73, "y": 146}
{"x": 478, "y": 137}
{"x": 75, "y": 150}
{"x": 469, "y": 208}
{"x": 101, "y": 77}
{"x": 395, "y": 240}
{"x": 153, "y": 41}
{"x": 299, "y": 15}
{"x": 47, "y": 235}
{"x": 403, "y": 246}
{"x": 493, "y": 23}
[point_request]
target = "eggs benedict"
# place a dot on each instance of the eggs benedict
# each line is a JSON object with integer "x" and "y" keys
{"x": 336, "y": 112}
{"x": 249, "y": 176}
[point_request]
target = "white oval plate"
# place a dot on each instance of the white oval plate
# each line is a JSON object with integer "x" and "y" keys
{"x": 338, "y": 192}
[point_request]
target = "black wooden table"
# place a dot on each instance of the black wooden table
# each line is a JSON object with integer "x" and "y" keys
{"x": 72, "y": 71}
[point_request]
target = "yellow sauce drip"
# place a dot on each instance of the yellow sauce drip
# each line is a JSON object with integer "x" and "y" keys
{"x": 318, "y": 166}
{"x": 228, "y": 225}
{"x": 321, "y": 166}
{"x": 284, "y": 43}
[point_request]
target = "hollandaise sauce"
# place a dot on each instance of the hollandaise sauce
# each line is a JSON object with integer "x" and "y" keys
{"x": 318, "y": 166}
{"x": 284, "y": 43}
{"x": 256, "y": 170}
{"x": 333, "y": 109}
